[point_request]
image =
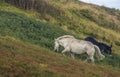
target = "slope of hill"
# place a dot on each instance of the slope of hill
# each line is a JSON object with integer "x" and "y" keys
{"x": 36, "y": 32}
{"x": 27, "y": 37}
{"x": 21, "y": 59}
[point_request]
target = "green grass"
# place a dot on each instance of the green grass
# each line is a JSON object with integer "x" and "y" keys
{"x": 28, "y": 29}
{"x": 113, "y": 60}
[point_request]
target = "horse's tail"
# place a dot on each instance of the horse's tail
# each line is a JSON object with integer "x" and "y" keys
{"x": 99, "y": 54}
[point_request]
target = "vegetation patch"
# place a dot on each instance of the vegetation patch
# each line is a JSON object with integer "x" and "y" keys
{"x": 28, "y": 29}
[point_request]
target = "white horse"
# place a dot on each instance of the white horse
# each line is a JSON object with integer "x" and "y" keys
{"x": 76, "y": 46}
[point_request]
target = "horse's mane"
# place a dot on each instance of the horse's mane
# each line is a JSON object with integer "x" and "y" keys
{"x": 65, "y": 36}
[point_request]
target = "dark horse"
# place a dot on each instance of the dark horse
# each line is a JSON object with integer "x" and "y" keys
{"x": 103, "y": 47}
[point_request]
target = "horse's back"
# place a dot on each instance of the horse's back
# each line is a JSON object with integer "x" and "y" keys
{"x": 83, "y": 42}
{"x": 65, "y": 36}
{"x": 81, "y": 45}
{"x": 91, "y": 39}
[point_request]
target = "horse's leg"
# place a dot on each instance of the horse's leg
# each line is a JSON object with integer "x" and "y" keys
{"x": 91, "y": 55}
{"x": 65, "y": 50}
{"x": 88, "y": 58}
{"x": 72, "y": 55}
{"x": 92, "y": 59}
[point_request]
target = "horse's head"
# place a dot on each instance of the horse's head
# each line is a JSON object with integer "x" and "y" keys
{"x": 56, "y": 46}
{"x": 62, "y": 41}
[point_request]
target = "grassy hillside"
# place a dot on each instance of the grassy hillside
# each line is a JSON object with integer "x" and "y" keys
{"x": 77, "y": 18}
{"x": 36, "y": 32}
{"x": 27, "y": 38}
{"x": 19, "y": 58}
